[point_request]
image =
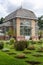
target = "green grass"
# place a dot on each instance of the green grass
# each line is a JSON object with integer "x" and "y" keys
{"x": 9, "y": 60}
{"x": 6, "y": 59}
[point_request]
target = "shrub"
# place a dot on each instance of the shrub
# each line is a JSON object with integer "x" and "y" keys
{"x": 20, "y": 45}
{"x": 29, "y": 42}
{"x": 1, "y": 45}
{"x": 31, "y": 47}
{"x": 26, "y": 52}
{"x": 12, "y": 40}
{"x": 7, "y": 42}
{"x": 38, "y": 55}
{"x": 40, "y": 49}
{"x": 21, "y": 56}
{"x": 25, "y": 43}
{"x": 11, "y": 53}
{"x": 12, "y": 46}
{"x": 5, "y": 50}
{"x": 34, "y": 42}
{"x": 40, "y": 41}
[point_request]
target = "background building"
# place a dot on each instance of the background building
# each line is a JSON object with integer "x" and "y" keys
{"x": 23, "y": 23}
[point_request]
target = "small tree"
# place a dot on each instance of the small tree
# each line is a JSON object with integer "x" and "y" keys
{"x": 40, "y": 34}
{"x": 1, "y": 20}
{"x": 40, "y": 24}
{"x": 11, "y": 32}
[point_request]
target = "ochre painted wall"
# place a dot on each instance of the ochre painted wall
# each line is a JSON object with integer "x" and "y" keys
{"x": 33, "y": 28}
{"x": 17, "y": 27}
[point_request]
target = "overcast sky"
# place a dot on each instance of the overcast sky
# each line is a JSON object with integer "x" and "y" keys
{"x": 8, "y": 6}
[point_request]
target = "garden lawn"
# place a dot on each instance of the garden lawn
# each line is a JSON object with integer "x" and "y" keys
{"x": 11, "y": 59}
{"x": 5, "y": 59}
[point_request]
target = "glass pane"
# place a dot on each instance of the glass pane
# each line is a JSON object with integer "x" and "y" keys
{"x": 25, "y": 27}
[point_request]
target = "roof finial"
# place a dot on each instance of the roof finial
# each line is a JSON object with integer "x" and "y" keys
{"x": 21, "y": 5}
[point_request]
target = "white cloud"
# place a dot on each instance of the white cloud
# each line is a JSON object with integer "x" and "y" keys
{"x": 3, "y": 12}
{"x": 7, "y": 6}
{"x": 15, "y": 2}
{"x": 35, "y": 5}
